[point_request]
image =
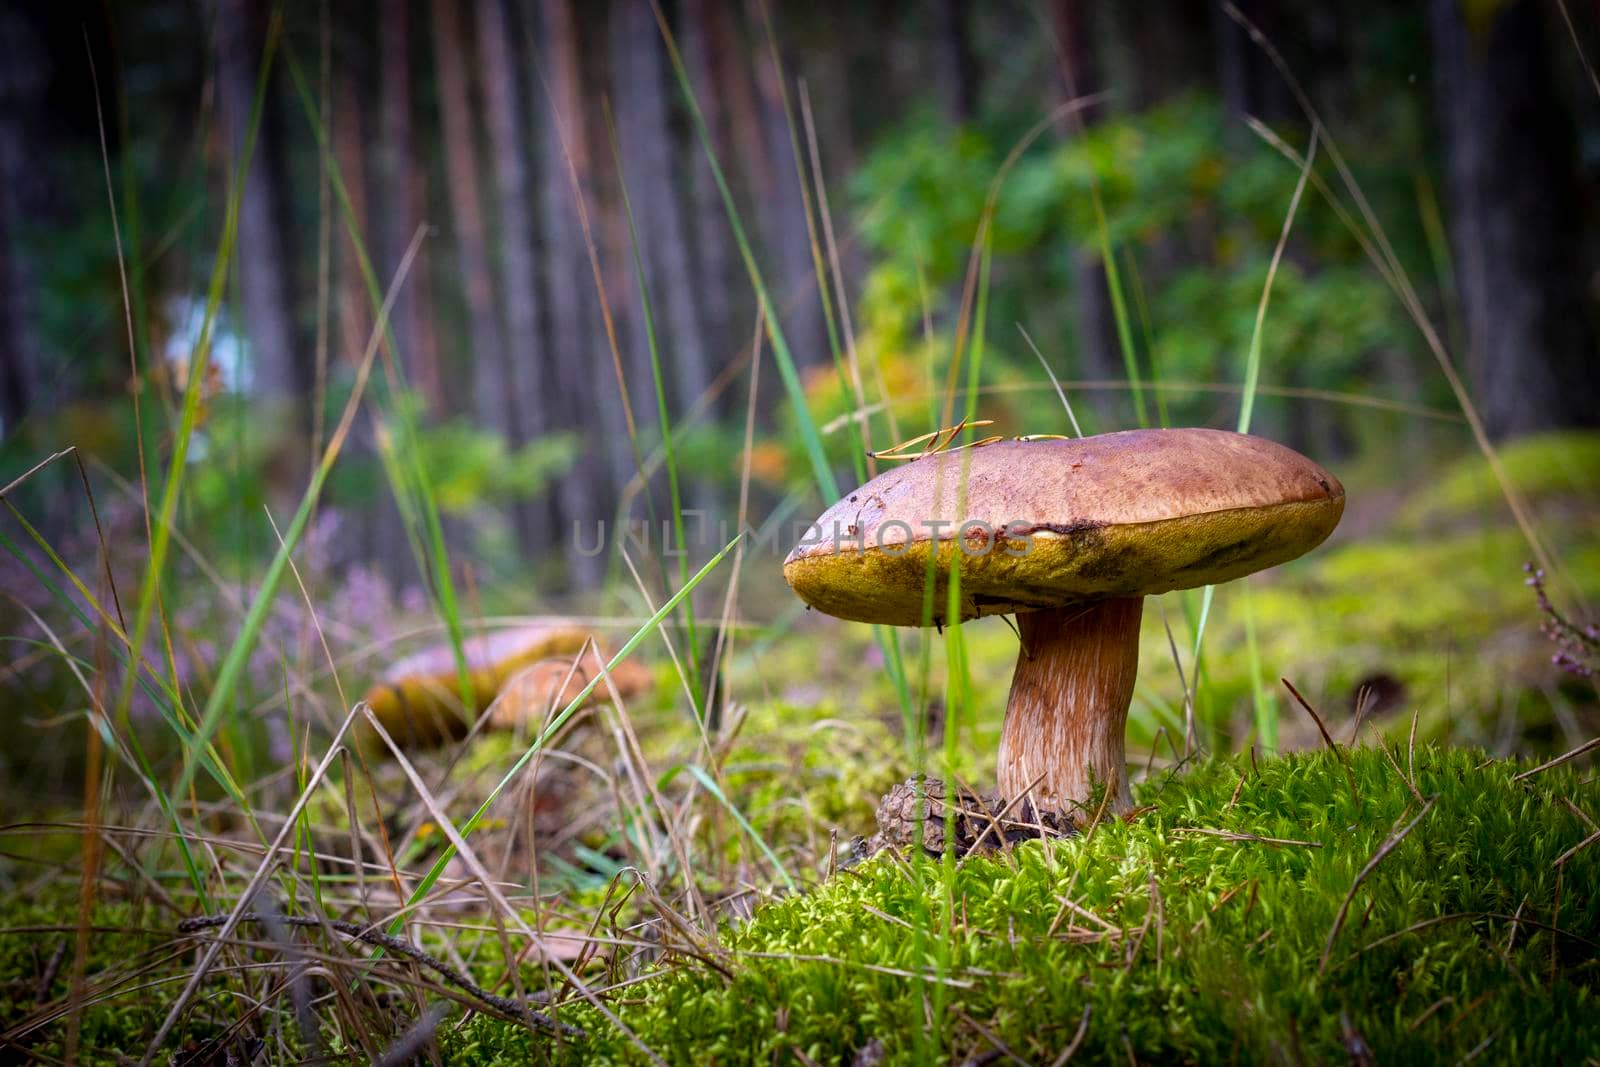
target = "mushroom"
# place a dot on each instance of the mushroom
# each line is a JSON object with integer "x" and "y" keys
{"x": 531, "y": 695}
{"x": 1070, "y": 536}
{"x": 418, "y": 699}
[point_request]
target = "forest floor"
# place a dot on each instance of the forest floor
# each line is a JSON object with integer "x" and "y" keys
{"x": 699, "y": 897}
{"x": 1361, "y": 906}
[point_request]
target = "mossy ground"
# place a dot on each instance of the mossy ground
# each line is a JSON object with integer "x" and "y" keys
{"x": 1203, "y": 948}
{"x": 1183, "y": 944}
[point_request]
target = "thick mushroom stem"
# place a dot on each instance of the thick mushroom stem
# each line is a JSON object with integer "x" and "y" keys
{"x": 1063, "y": 734}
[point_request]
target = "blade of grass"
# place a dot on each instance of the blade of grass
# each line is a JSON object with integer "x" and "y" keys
{"x": 1266, "y": 711}
{"x": 780, "y": 345}
{"x": 810, "y": 438}
{"x": 1388, "y": 263}
{"x": 728, "y": 606}
{"x": 979, "y": 238}
{"x": 1119, "y": 303}
{"x": 234, "y": 661}
{"x": 646, "y": 310}
{"x": 290, "y": 824}
{"x": 715, "y": 790}
{"x": 664, "y": 611}
{"x": 435, "y": 566}
{"x": 847, "y": 369}
{"x": 1252, "y": 370}
{"x": 1060, "y": 392}
{"x": 149, "y": 592}
{"x": 837, "y": 268}
{"x": 1148, "y": 336}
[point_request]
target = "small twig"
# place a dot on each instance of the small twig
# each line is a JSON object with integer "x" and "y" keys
{"x": 1411, "y": 748}
{"x": 1384, "y": 748}
{"x": 1332, "y": 747}
{"x": 1481, "y": 1046}
{"x": 1233, "y": 835}
{"x": 1384, "y": 849}
{"x": 1429, "y": 1012}
{"x": 870, "y": 910}
{"x": 1077, "y": 1039}
{"x": 1364, "y": 700}
{"x": 407, "y": 1048}
{"x": 942, "y": 439}
{"x": 1457, "y": 916}
{"x": 990, "y": 1036}
{"x": 1575, "y": 849}
{"x": 52, "y": 967}
{"x": 1068, "y": 904}
{"x": 1583, "y": 749}
{"x": 379, "y": 939}
{"x": 1234, "y": 799}
{"x": 997, "y": 820}
{"x": 1580, "y": 813}
{"x": 1515, "y": 919}
{"x": 1577, "y": 647}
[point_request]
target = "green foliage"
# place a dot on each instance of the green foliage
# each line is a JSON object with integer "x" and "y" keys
{"x": 1193, "y": 209}
{"x": 1204, "y": 947}
{"x": 470, "y": 467}
{"x": 1546, "y": 469}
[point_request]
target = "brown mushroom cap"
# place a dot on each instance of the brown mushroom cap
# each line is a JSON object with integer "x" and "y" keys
{"x": 1047, "y": 524}
{"x": 418, "y": 699}
{"x": 539, "y": 690}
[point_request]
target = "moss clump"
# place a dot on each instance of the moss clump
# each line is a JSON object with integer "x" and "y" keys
{"x": 1203, "y": 948}
{"x": 1548, "y": 469}
{"x": 124, "y": 945}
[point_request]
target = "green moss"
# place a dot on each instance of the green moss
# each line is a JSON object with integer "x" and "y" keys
{"x": 1544, "y": 467}
{"x": 124, "y": 942}
{"x": 1205, "y": 948}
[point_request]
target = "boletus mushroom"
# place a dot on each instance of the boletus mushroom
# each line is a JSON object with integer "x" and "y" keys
{"x": 1070, "y": 536}
{"x": 540, "y": 689}
{"x": 418, "y": 699}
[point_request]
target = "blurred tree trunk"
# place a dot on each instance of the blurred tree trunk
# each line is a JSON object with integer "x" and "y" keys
{"x": 781, "y": 212}
{"x": 645, "y": 132}
{"x": 353, "y": 301}
{"x": 955, "y": 66}
{"x": 1099, "y": 353}
{"x": 581, "y": 386}
{"x": 265, "y": 288}
{"x": 605, "y": 71}
{"x": 1513, "y": 215}
{"x": 17, "y": 359}
{"x": 403, "y": 206}
{"x": 1246, "y": 79}
{"x": 379, "y": 535}
{"x": 517, "y": 241}
{"x": 711, "y": 247}
{"x": 745, "y": 159}
{"x": 493, "y": 396}
{"x": 24, "y": 107}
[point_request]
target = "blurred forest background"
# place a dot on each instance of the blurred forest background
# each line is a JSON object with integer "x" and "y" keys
{"x": 510, "y": 172}
{"x": 504, "y": 132}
